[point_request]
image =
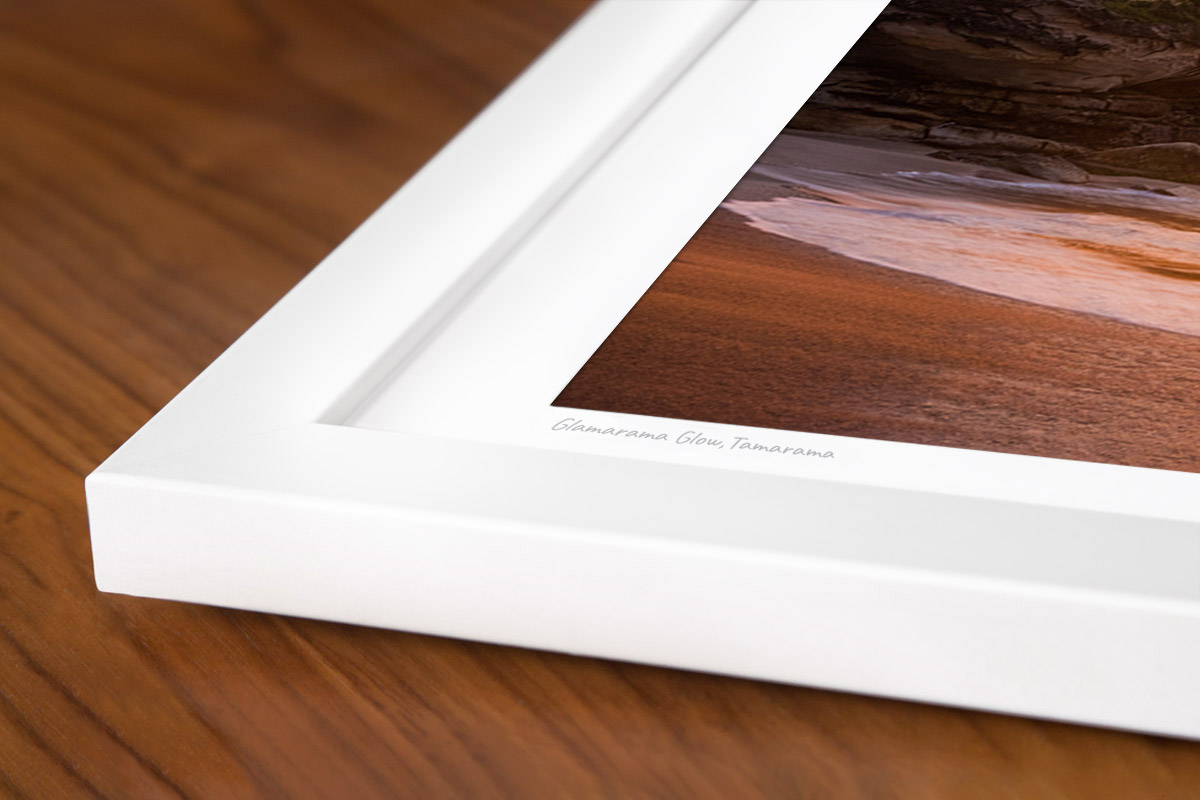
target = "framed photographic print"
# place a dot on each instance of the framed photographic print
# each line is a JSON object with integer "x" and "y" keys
{"x": 833, "y": 342}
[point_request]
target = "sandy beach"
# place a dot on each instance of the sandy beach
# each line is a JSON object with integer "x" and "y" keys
{"x": 756, "y": 329}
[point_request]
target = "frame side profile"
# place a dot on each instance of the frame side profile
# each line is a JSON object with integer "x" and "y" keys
{"x": 1046, "y": 612}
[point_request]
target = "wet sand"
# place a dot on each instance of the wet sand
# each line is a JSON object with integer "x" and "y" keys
{"x": 750, "y": 328}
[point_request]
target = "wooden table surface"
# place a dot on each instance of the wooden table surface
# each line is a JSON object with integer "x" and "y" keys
{"x": 167, "y": 171}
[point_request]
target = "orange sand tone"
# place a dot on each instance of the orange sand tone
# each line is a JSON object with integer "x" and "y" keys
{"x": 748, "y": 328}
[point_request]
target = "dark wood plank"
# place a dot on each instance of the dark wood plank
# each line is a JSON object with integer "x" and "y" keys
{"x": 167, "y": 171}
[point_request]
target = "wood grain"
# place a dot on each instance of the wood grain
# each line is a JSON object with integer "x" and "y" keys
{"x": 167, "y": 171}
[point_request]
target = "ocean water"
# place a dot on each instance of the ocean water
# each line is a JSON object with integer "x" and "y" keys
{"x": 1125, "y": 253}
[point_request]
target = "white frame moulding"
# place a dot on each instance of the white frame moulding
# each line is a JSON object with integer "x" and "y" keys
{"x": 249, "y": 490}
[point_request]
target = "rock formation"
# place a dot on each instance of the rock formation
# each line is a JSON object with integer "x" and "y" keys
{"x": 1059, "y": 78}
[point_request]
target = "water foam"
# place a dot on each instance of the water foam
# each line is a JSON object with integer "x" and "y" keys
{"x": 1125, "y": 253}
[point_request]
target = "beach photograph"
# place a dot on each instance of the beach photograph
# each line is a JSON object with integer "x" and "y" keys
{"x": 982, "y": 232}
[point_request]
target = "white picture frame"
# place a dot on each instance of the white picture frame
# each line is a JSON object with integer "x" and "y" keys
{"x": 1055, "y": 589}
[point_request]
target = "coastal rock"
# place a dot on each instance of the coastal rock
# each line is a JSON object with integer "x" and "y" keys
{"x": 953, "y": 135}
{"x": 1047, "y": 168}
{"x": 1068, "y": 46}
{"x": 1176, "y": 161}
{"x": 874, "y": 125}
{"x": 1080, "y": 74}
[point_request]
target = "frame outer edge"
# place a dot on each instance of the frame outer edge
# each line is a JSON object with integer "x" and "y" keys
{"x": 784, "y": 620}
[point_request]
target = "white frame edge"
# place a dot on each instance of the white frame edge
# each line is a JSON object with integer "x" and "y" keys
{"x": 238, "y": 494}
